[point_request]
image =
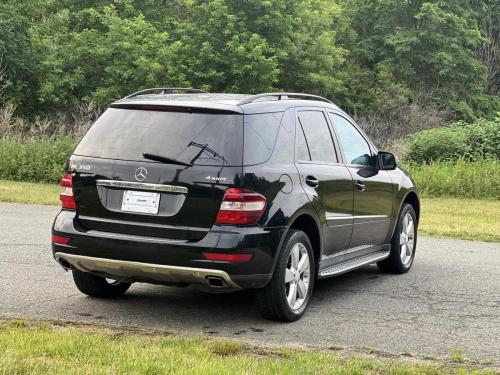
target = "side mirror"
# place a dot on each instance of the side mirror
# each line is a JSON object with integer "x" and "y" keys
{"x": 387, "y": 161}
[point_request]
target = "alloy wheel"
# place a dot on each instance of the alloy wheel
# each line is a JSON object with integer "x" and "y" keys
{"x": 407, "y": 239}
{"x": 297, "y": 276}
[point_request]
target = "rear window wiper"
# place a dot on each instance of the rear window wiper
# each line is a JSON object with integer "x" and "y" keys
{"x": 164, "y": 159}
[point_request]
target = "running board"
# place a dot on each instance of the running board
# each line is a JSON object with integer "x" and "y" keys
{"x": 353, "y": 264}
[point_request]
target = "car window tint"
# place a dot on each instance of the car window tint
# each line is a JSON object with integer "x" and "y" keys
{"x": 260, "y": 132}
{"x": 318, "y": 137}
{"x": 197, "y": 138}
{"x": 356, "y": 149}
{"x": 302, "y": 149}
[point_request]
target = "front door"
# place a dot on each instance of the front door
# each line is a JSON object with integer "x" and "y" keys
{"x": 327, "y": 182}
{"x": 373, "y": 188}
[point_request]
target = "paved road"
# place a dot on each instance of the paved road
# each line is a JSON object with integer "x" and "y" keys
{"x": 450, "y": 300}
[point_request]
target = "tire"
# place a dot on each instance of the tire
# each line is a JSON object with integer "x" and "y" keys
{"x": 96, "y": 286}
{"x": 397, "y": 263}
{"x": 272, "y": 299}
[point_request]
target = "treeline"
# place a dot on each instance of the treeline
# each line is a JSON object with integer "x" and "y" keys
{"x": 369, "y": 56}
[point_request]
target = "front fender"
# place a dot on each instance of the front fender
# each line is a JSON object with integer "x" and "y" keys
{"x": 404, "y": 185}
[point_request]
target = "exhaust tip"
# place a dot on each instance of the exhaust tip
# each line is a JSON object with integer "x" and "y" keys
{"x": 64, "y": 264}
{"x": 216, "y": 282}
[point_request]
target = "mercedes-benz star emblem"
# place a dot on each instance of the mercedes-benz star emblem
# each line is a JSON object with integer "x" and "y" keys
{"x": 141, "y": 174}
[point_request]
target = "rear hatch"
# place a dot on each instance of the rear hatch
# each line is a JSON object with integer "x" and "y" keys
{"x": 156, "y": 171}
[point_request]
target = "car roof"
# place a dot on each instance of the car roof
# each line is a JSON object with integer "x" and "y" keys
{"x": 237, "y": 103}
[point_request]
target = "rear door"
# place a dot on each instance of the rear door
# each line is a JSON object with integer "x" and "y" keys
{"x": 373, "y": 188}
{"x": 326, "y": 180}
{"x": 156, "y": 171}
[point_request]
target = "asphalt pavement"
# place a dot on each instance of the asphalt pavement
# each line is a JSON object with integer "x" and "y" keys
{"x": 449, "y": 300}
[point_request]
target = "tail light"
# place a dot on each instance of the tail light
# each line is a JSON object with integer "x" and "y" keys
{"x": 66, "y": 196}
{"x": 240, "y": 206}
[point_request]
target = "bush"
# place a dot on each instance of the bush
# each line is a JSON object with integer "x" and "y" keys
{"x": 36, "y": 160}
{"x": 471, "y": 142}
{"x": 480, "y": 179}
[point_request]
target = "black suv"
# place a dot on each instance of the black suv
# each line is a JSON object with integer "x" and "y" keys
{"x": 226, "y": 192}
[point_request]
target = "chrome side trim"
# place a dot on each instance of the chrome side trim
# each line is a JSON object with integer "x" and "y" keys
{"x": 142, "y": 186}
{"x": 350, "y": 217}
{"x": 353, "y": 264}
{"x": 123, "y": 270}
{"x": 370, "y": 217}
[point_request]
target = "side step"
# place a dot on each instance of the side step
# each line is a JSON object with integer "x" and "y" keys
{"x": 350, "y": 265}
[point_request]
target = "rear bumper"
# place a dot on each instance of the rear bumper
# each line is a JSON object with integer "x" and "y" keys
{"x": 163, "y": 261}
{"x": 123, "y": 270}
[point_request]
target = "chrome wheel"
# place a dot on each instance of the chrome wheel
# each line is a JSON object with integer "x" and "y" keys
{"x": 407, "y": 239}
{"x": 297, "y": 276}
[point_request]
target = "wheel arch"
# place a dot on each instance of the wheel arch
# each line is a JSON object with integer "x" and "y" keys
{"x": 412, "y": 198}
{"x": 309, "y": 225}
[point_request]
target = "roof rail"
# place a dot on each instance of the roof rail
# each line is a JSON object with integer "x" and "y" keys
{"x": 283, "y": 96}
{"x": 167, "y": 90}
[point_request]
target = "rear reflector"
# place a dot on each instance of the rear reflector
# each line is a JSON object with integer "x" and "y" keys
{"x": 60, "y": 240}
{"x": 240, "y": 207}
{"x": 223, "y": 257}
{"x": 66, "y": 196}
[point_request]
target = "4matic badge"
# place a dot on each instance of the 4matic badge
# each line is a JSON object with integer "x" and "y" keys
{"x": 216, "y": 179}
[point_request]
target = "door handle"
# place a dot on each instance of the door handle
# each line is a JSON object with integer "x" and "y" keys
{"x": 359, "y": 185}
{"x": 312, "y": 181}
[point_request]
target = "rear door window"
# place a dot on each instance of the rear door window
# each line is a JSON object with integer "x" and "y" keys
{"x": 317, "y": 136}
{"x": 198, "y": 138}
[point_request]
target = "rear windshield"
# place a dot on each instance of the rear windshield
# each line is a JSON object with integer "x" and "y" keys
{"x": 195, "y": 138}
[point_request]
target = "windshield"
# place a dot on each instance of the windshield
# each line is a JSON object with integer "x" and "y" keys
{"x": 192, "y": 138}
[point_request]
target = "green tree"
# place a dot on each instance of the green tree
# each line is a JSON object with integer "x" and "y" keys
{"x": 367, "y": 55}
{"x": 18, "y": 62}
{"x": 424, "y": 46}
{"x": 100, "y": 56}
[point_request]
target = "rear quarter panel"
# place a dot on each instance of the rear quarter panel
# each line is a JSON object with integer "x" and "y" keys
{"x": 278, "y": 180}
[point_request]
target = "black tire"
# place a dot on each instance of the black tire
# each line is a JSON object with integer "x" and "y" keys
{"x": 272, "y": 299}
{"x": 96, "y": 286}
{"x": 394, "y": 263}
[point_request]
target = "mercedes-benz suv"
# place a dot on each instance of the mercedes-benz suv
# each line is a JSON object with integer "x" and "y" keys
{"x": 226, "y": 192}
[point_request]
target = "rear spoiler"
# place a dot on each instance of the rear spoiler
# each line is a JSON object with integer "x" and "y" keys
{"x": 179, "y": 106}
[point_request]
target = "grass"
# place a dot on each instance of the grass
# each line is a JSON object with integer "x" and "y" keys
{"x": 29, "y": 192}
{"x": 460, "y": 179}
{"x": 458, "y": 355}
{"x": 41, "y": 348}
{"x": 468, "y": 219}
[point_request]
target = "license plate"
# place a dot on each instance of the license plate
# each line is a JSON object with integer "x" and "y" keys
{"x": 143, "y": 202}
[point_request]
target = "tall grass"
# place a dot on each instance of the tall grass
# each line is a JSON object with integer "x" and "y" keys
{"x": 58, "y": 125}
{"x": 462, "y": 179}
{"x": 35, "y": 160}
